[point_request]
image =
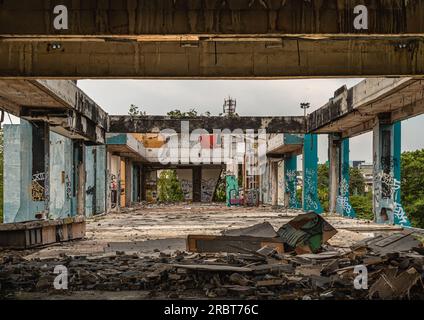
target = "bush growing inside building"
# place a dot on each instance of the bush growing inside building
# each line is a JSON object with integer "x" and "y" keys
{"x": 412, "y": 186}
{"x": 169, "y": 187}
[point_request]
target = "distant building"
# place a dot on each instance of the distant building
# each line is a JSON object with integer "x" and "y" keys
{"x": 356, "y": 164}
{"x": 367, "y": 171}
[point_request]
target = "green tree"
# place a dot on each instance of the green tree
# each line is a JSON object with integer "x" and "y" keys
{"x": 220, "y": 191}
{"x": 135, "y": 111}
{"x": 412, "y": 191}
{"x": 323, "y": 176}
{"x": 357, "y": 182}
{"x": 169, "y": 187}
{"x": 363, "y": 206}
{"x": 323, "y": 186}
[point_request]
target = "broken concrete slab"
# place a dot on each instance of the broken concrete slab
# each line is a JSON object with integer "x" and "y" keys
{"x": 231, "y": 244}
{"x": 396, "y": 242}
{"x": 262, "y": 230}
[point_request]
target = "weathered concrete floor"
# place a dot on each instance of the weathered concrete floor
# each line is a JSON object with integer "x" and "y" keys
{"x": 153, "y": 234}
{"x": 153, "y": 228}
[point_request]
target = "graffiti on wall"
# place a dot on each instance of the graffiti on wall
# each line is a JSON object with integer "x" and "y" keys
{"x": 387, "y": 187}
{"x": 187, "y": 188}
{"x": 311, "y": 195}
{"x": 208, "y": 189}
{"x": 343, "y": 202}
{"x": 37, "y": 186}
{"x": 291, "y": 186}
{"x": 68, "y": 187}
{"x": 252, "y": 197}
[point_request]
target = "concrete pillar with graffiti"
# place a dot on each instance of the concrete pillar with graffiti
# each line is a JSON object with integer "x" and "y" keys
{"x": 232, "y": 190}
{"x": 310, "y": 198}
{"x": 290, "y": 178}
{"x": 343, "y": 201}
{"x": 387, "y": 204}
{"x": 340, "y": 176}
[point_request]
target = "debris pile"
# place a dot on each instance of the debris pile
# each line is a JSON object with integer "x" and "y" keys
{"x": 295, "y": 264}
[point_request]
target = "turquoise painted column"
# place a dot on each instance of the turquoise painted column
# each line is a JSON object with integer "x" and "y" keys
{"x": 387, "y": 173}
{"x": 343, "y": 199}
{"x": 232, "y": 189}
{"x": 290, "y": 178}
{"x": 310, "y": 174}
{"x": 101, "y": 172}
{"x": 400, "y": 216}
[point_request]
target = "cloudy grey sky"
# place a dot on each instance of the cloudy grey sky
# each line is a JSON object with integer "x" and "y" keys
{"x": 261, "y": 98}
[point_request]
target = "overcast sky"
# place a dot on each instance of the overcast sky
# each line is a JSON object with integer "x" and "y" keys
{"x": 260, "y": 98}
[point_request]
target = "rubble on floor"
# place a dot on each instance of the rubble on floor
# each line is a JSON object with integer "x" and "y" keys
{"x": 394, "y": 263}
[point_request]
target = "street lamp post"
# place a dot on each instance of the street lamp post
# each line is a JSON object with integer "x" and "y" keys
{"x": 305, "y": 106}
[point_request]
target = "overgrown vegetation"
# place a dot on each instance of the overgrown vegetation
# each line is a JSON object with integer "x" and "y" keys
{"x": 192, "y": 113}
{"x": 135, "y": 111}
{"x": 169, "y": 187}
{"x": 412, "y": 186}
{"x": 220, "y": 192}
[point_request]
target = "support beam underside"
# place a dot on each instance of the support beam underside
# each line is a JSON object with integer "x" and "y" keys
{"x": 232, "y": 59}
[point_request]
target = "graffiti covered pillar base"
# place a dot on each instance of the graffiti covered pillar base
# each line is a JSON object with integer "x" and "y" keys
{"x": 290, "y": 181}
{"x": 387, "y": 187}
{"x": 310, "y": 174}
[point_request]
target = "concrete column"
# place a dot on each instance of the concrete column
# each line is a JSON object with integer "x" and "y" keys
{"x": 128, "y": 182}
{"x": 101, "y": 181}
{"x": 334, "y": 170}
{"x": 290, "y": 182}
{"x": 90, "y": 180}
{"x": 79, "y": 163}
{"x": 61, "y": 177}
{"x": 143, "y": 175}
{"x": 274, "y": 182}
{"x": 310, "y": 174}
{"x": 280, "y": 183}
{"x": 387, "y": 181}
{"x": 232, "y": 189}
{"x": 197, "y": 184}
{"x": 340, "y": 176}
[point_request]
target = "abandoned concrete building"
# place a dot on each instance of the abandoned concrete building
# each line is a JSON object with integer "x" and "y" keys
{"x": 69, "y": 159}
{"x": 74, "y": 172}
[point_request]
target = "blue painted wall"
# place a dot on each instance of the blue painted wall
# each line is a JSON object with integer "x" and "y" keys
{"x": 18, "y": 204}
{"x": 61, "y": 170}
{"x": 101, "y": 179}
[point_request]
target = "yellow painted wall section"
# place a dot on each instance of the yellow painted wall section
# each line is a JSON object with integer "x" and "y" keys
{"x": 150, "y": 140}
